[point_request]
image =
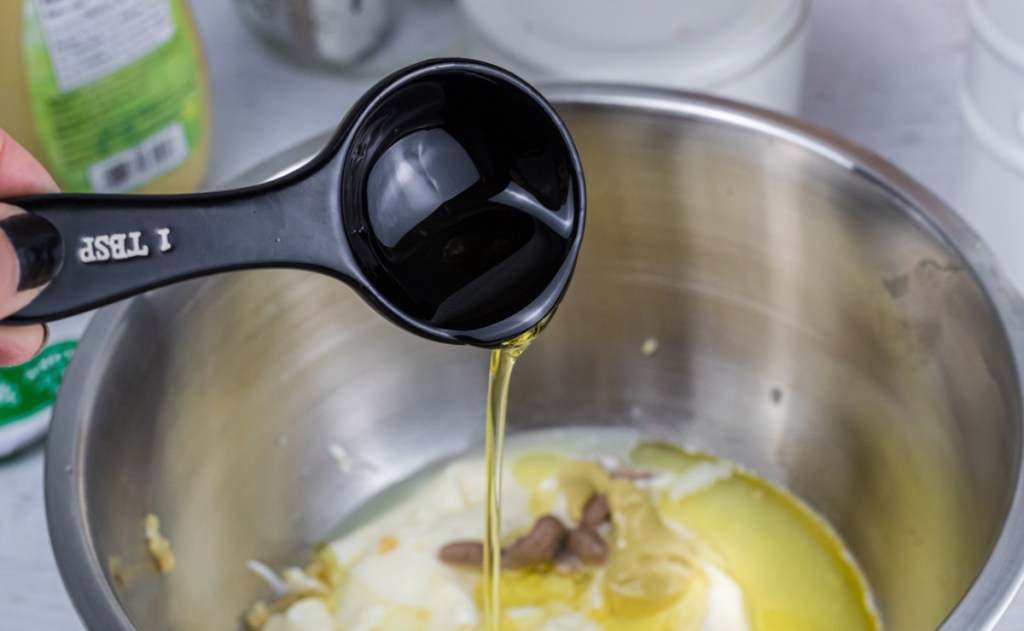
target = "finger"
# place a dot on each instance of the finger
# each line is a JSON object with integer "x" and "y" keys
{"x": 18, "y": 344}
{"x": 20, "y": 173}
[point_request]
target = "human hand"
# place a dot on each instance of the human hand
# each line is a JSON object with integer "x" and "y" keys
{"x": 20, "y": 174}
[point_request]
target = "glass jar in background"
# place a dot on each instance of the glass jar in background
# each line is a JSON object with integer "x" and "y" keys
{"x": 366, "y": 38}
{"x": 112, "y": 96}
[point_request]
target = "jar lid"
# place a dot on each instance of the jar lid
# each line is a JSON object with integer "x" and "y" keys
{"x": 692, "y": 42}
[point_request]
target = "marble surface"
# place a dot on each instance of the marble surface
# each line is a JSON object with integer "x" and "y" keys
{"x": 881, "y": 72}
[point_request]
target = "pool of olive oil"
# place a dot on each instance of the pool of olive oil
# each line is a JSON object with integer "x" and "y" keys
{"x": 790, "y": 568}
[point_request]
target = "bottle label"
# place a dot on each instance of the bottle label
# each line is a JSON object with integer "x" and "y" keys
{"x": 115, "y": 89}
{"x": 32, "y": 387}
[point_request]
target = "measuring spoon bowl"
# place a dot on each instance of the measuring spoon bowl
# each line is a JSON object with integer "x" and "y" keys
{"x": 451, "y": 197}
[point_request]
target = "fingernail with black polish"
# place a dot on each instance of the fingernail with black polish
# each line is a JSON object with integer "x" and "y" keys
{"x": 38, "y": 247}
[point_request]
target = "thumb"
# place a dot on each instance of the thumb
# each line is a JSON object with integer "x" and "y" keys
{"x": 18, "y": 344}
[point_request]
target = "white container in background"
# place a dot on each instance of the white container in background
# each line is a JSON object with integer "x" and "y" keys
{"x": 749, "y": 50}
{"x": 990, "y": 187}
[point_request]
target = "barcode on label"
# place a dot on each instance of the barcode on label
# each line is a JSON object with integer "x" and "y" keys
{"x": 134, "y": 167}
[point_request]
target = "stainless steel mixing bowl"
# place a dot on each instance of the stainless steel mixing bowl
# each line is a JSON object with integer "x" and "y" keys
{"x": 819, "y": 318}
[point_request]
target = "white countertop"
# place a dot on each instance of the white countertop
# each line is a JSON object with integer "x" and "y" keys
{"x": 881, "y": 72}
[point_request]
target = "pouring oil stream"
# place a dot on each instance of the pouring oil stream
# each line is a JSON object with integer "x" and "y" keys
{"x": 503, "y": 360}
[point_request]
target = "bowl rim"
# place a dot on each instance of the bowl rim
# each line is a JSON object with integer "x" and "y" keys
{"x": 980, "y": 608}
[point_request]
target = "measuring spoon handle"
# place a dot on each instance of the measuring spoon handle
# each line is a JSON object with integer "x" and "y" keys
{"x": 96, "y": 249}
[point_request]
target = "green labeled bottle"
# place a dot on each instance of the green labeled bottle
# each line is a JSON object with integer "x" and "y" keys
{"x": 112, "y": 96}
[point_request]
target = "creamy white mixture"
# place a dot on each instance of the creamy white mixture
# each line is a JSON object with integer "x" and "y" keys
{"x": 396, "y": 582}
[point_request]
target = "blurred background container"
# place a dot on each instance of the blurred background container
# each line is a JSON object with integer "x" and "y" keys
{"x": 111, "y": 96}
{"x": 360, "y": 37}
{"x": 342, "y": 32}
{"x": 749, "y": 51}
{"x": 990, "y": 190}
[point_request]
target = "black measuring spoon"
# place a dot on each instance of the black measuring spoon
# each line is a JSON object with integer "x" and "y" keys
{"x": 451, "y": 198}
